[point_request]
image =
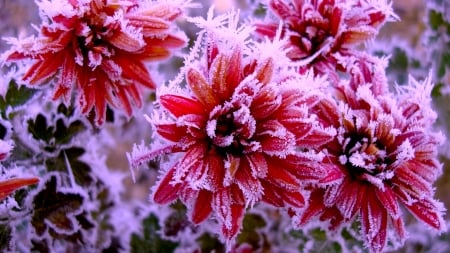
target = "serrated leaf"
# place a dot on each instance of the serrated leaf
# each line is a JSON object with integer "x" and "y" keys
{"x": 16, "y": 96}
{"x": 151, "y": 241}
{"x": 54, "y": 135}
{"x": 81, "y": 170}
{"x": 56, "y": 208}
{"x": 39, "y": 128}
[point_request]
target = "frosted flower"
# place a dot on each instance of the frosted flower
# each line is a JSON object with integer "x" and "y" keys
{"x": 319, "y": 29}
{"x": 387, "y": 154}
{"x": 10, "y": 185}
{"x": 238, "y": 125}
{"x": 98, "y": 48}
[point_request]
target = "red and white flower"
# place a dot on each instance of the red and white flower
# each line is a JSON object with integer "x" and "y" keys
{"x": 386, "y": 151}
{"x": 239, "y": 125}
{"x": 320, "y": 31}
{"x": 98, "y": 50}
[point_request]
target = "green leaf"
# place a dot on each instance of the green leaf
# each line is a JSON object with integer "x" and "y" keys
{"x": 81, "y": 170}
{"x": 16, "y": 96}
{"x": 39, "y": 129}
{"x": 56, "y": 208}
{"x": 54, "y": 135}
{"x": 5, "y": 236}
{"x": 249, "y": 233}
{"x": 151, "y": 241}
{"x": 210, "y": 243}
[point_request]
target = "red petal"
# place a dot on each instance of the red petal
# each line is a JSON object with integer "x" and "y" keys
{"x": 315, "y": 207}
{"x": 43, "y": 69}
{"x": 218, "y": 74}
{"x": 150, "y": 25}
{"x": 389, "y": 201}
{"x": 294, "y": 199}
{"x": 201, "y": 88}
{"x": 134, "y": 70}
{"x": 233, "y": 74}
{"x": 171, "y": 131}
{"x": 271, "y": 194}
{"x": 169, "y": 41}
{"x": 165, "y": 191}
{"x": 216, "y": 171}
{"x": 202, "y": 207}
{"x": 265, "y": 71}
{"x": 179, "y": 105}
{"x": 281, "y": 177}
{"x": 125, "y": 41}
{"x": 428, "y": 211}
{"x": 266, "y": 102}
{"x": 374, "y": 225}
{"x": 10, "y": 185}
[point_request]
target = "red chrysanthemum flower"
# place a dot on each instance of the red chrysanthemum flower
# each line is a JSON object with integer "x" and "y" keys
{"x": 320, "y": 31}
{"x": 99, "y": 48}
{"x": 239, "y": 126}
{"x": 386, "y": 151}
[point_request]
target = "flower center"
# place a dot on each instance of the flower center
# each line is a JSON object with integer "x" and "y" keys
{"x": 364, "y": 157}
{"x": 230, "y": 129}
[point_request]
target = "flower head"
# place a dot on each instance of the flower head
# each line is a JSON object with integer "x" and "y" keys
{"x": 99, "y": 49}
{"x": 386, "y": 151}
{"x": 318, "y": 30}
{"x": 239, "y": 124}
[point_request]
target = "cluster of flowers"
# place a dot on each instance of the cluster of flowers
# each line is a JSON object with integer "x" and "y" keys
{"x": 286, "y": 110}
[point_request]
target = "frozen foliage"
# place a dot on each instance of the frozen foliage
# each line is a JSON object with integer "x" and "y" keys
{"x": 280, "y": 132}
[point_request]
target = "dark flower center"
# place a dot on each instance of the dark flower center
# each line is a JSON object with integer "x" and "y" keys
{"x": 363, "y": 155}
{"x": 230, "y": 130}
